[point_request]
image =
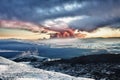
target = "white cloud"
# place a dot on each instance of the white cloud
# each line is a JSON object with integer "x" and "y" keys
{"x": 60, "y": 9}
{"x": 9, "y": 51}
{"x": 62, "y": 21}
{"x": 72, "y": 6}
{"x": 69, "y": 19}
{"x": 65, "y": 19}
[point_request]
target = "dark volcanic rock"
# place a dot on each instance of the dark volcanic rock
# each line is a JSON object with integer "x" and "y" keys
{"x": 111, "y": 58}
{"x": 99, "y": 67}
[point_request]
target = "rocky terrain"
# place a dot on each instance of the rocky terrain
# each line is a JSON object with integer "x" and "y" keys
{"x": 10, "y": 70}
{"x": 99, "y": 67}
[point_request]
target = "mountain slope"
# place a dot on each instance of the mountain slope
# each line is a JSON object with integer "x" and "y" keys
{"x": 10, "y": 70}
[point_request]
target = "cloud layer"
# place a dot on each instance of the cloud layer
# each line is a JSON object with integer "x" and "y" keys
{"x": 82, "y": 14}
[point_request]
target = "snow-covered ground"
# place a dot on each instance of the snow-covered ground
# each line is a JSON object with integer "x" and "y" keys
{"x": 10, "y": 70}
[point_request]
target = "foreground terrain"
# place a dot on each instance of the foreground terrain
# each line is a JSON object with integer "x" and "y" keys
{"x": 99, "y": 67}
{"x": 10, "y": 70}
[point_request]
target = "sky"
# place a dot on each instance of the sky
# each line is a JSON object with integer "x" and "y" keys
{"x": 81, "y": 14}
{"x": 21, "y": 34}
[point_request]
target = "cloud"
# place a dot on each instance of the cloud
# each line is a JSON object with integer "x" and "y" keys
{"x": 62, "y": 22}
{"x": 60, "y": 8}
{"x": 21, "y": 34}
{"x": 68, "y": 11}
{"x": 104, "y": 32}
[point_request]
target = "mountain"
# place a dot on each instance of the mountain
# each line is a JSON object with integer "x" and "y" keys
{"x": 33, "y": 58}
{"x": 95, "y": 58}
{"x": 98, "y": 67}
{"x": 10, "y": 70}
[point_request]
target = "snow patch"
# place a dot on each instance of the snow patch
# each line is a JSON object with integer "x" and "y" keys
{"x": 27, "y": 79}
{"x": 3, "y": 68}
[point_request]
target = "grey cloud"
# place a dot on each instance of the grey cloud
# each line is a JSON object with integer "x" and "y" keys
{"x": 100, "y": 12}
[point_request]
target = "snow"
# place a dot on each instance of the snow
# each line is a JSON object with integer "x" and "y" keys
{"x": 10, "y": 70}
{"x": 3, "y": 68}
{"x": 27, "y": 79}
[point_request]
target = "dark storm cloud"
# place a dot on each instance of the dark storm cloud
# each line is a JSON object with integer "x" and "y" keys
{"x": 99, "y": 12}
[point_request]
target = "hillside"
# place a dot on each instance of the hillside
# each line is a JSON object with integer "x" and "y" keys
{"x": 10, "y": 70}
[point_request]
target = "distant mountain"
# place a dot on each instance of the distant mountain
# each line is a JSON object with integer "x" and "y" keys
{"x": 30, "y": 58}
{"x": 95, "y": 58}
